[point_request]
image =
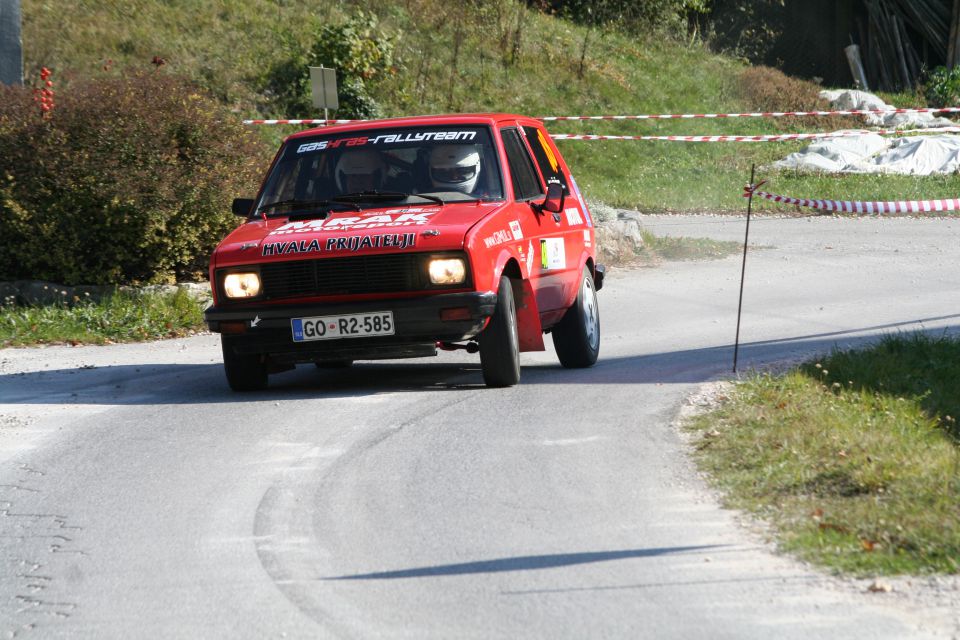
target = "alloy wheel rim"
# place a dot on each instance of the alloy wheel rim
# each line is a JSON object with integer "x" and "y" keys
{"x": 591, "y": 314}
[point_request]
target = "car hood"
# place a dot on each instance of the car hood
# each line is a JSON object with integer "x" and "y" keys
{"x": 426, "y": 227}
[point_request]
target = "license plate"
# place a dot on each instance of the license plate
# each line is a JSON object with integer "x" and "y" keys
{"x": 356, "y": 325}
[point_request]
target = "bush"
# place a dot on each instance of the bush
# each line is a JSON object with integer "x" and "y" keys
{"x": 769, "y": 89}
{"x": 126, "y": 181}
{"x": 357, "y": 49}
{"x": 636, "y": 17}
{"x": 747, "y": 29}
{"x": 943, "y": 87}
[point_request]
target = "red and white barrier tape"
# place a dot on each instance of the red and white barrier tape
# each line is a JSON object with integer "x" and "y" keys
{"x": 764, "y": 114}
{"x": 903, "y": 206}
{"x": 307, "y": 121}
{"x": 669, "y": 116}
{"x": 767, "y": 138}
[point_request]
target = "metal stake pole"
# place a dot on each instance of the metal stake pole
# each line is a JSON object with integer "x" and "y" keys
{"x": 743, "y": 270}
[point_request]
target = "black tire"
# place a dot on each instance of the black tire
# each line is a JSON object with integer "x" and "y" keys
{"x": 334, "y": 364}
{"x": 244, "y": 372}
{"x": 500, "y": 342}
{"x": 577, "y": 336}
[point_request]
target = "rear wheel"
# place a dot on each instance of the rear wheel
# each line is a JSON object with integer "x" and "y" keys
{"x": 500, "y": 342}
{"x": 577, "y": 336}
{"x": 245, "y": 372}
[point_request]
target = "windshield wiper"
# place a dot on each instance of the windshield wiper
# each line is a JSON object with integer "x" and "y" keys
{"x": 368, "y": 196}
{"x": 312, "y": 204}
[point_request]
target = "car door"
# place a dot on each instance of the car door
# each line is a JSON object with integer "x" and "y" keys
{"x": 576, "y": 226}
{"x": 540, "y": 229}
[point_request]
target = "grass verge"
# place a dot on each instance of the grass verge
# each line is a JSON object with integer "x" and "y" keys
{"x": 854, "y": 459}
{"x": 123, "y": 317}
{"x": 684, "y": 248}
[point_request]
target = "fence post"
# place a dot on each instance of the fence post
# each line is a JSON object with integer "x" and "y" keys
{"x": 11, "y": 45}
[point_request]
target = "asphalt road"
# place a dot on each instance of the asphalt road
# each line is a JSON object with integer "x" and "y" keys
{"x": 140, "y": 498}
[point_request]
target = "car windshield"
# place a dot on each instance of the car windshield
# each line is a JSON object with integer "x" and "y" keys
{"x": 403, "y": 165}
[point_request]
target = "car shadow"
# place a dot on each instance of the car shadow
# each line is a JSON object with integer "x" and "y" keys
{"x": 144, "y": 384}
{"x": 523, "y": 563}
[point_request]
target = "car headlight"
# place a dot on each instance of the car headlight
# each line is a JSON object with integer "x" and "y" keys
{"x": 447, "y": 271}
{"x": 241, "y": 285}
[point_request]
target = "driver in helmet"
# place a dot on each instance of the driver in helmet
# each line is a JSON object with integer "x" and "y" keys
{"x": 455, "y": 167}
{"x": 360, "y": 170}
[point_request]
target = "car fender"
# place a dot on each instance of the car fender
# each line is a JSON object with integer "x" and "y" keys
{"x": 529, "y": 329}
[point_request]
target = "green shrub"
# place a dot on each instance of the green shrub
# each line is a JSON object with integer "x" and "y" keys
{"x": 636, "y": 17}
{"x": 357, "y": 49}
{"x": 128, "y": 180}
{"x": 943, "y": 87}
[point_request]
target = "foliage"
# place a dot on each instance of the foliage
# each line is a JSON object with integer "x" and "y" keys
{"x": 850, "y": 457}
{"x": 768, "y": 89}
{"x": 127, "y": 180}
{"x": 636, "y": 17}
{"x": 123, "y": 317}
{"x": 746, "y": 29}
{"x": 942, "y": 88}
{"x": 356, "y": 48}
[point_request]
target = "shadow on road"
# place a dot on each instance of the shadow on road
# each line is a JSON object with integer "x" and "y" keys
{"x": 522, "y": 563}
{"x": 147, "y": 384}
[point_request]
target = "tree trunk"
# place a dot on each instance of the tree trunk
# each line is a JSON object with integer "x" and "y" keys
{"x": 953, "y": 51}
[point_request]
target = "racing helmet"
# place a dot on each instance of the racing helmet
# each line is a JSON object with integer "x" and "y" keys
{"x": 360, "y": 170}
{"x": 455, "y": 167}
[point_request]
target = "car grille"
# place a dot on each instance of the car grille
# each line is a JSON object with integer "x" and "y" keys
{"x": 338, "y": 276}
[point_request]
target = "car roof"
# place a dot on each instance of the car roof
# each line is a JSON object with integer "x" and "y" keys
{"x": 491, "y": 119}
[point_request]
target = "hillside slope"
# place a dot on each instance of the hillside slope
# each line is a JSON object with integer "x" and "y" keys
{"x": 461, "y": 57}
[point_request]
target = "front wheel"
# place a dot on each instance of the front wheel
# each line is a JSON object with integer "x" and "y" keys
{"x": 245, "y": 372}
{"x": 500, "y": 342}
{"x": 577, "y": 336}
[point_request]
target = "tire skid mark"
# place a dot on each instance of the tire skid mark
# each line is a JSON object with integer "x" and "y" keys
{"x": 280, "y": 531}
{"x": 35, "y": 548}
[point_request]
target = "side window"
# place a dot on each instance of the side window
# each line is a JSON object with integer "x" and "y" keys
{"x": 545, "y": 157}
{"x": 525, "y": 182}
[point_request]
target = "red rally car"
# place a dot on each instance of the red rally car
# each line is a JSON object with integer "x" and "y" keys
{"x": 393, "y": 238}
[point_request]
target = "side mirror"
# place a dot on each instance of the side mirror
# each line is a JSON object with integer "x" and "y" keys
{"x": 242, "y": 206}
{"x": 554, "y": 200}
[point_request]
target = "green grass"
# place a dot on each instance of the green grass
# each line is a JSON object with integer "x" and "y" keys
{"x": 120, "y": 318}
{"x": 853, "y": 458}
{"x": 458, "y": 57}
{"x": 684, "y": 248}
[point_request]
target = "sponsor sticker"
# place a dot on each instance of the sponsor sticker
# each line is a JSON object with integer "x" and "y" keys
{"x": 552, "y": 254}
{"x": 287, "y": 248}
{"x": 587, "y": 240}
{"x": 516, "y": 230}
{"x": 530, "y": 258}
{"x": 583, "y": 204}
{"x": 345, "y": 243}
{"x": 573, "y": 216}
{"x": 498, "y": 237}
{"x": 385, "y": 241}
{"x": 391, "y": 138}
{"x": 355, "y": 222}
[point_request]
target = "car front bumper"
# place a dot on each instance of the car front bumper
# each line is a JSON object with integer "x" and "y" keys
{"x": 267, "y": 329}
